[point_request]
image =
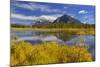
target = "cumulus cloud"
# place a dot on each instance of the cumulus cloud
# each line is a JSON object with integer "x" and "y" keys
{"x": 82, "y": 12}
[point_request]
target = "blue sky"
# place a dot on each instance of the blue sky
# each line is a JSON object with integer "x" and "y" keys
{"x": 26, "y": 12}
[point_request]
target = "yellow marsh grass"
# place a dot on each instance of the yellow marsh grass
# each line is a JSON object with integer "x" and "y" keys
{"x": 24, "y": 53}
{"x": 75, "y": 31}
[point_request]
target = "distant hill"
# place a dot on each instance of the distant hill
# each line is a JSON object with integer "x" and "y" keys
{"x": 67, "y": 19}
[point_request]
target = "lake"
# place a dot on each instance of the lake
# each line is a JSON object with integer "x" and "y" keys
{"x": 36, "y": 37}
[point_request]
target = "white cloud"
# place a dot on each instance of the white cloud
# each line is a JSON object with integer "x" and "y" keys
{"x": 88, "y": 19}
{"x": 65, "y": 7}
{"x": 22, "y": 5}
{"x": 35, "y": 18}
{"x": 35, "y": 6}
{"x": 72, "y": 15}
{"x": 50, "y": 17}
{"x": 19, "y": 16}
{"x": 82, "y": 12}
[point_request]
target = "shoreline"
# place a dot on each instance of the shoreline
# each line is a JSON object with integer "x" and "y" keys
{"x": 82, "y": 31}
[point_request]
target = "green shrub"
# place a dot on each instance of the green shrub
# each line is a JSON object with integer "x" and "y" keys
{"x": 24, "y": 53}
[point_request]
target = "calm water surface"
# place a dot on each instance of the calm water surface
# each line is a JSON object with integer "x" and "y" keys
{"x": 40, "y": 36}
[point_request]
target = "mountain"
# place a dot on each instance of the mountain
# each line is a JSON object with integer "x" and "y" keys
{"x": 44, "y": 19}
{"x": 66, "y": 19}
{"x": 48, "y": 22}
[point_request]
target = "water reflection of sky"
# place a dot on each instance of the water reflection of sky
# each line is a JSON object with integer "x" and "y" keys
{"x": 90, "y": 40}
{"x": 35, "y": 37}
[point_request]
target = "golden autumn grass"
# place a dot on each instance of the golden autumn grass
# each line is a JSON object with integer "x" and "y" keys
{"x": 75, "y": 31}
{"x": 23, "y": 53}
